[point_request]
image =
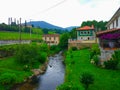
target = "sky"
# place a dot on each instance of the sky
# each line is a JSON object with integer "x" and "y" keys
{"x": 63, "y": 13}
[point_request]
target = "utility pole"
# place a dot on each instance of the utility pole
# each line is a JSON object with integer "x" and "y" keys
{"x": 20, "y": 31}
{"x": 30, "y": 28}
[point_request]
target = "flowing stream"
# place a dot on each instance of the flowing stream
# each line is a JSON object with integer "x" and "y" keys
{"x": 54, "y": 75}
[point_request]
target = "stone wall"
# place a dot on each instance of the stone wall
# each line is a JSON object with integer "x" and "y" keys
{"x": 9, "y": 42}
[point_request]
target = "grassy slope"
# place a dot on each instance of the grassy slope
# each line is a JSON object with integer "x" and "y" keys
{"x": 9, "y": 65}
{"x": 15, "y": 36}
{"x": 104, "y": 79}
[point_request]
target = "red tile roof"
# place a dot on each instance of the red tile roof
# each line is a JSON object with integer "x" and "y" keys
{"x": 86, "y": 28}
{"x": 107, "y": 31}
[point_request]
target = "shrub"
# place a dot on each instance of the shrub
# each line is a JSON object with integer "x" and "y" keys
{"x": 111, "y": 64}
{"x": 43, "y": 57}
{"x": 8, "y": 78}
{"x": 96, "y": 59}
{"x": 74, "y": 48}
{"x": 86, "y": 79}
{"x": 70, "y": 86}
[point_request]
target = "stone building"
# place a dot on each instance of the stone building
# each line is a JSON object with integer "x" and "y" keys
{"x": 51, "y": 39}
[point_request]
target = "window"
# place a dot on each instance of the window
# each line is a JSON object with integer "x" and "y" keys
{"x": 49, "y": 38}
{"x": 81, "y": 32}
{"x": 84, "y": 32}
{"x": 116, "y": 22}
{"x": 113, "y": 24}
{"x": 88, "y": 32}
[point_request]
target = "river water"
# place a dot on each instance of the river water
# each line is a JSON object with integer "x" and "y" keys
{"x": 54, "y": 75}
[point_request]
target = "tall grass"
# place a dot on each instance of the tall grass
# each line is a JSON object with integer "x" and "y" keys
{"x": 104, "y": 79}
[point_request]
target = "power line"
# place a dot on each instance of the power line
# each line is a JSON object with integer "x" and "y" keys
{"x": 49, "y": 8}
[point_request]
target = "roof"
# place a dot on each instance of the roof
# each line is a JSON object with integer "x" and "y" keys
{"x": 51, "y": 35}
{"x": 117, "y": 13}
{"x": 107, "y": 31}
{"x": 86, "y": 28}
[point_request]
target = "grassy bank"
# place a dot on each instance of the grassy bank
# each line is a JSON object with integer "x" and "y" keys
{"x": 4, "y": 35}
{"x": 9, "y": 67}
{"x": 16, "y": 67}
{"x": 78, "y": 62}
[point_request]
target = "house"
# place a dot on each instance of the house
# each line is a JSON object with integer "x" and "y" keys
{"x": 85, "y": 37}
{"x": 109, "y": 40}
{"x": 86, "y": 33}
{"x": 51, "y": 39}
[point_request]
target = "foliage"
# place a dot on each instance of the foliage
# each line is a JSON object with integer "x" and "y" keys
{"x": 64, "y": 41}
{"x": 70, "y": 86}
{"x": 6, "y": 51}
{"x": 30, "y": 55}
{"x": 114, "y": 61}
{"x": 101, "y": 25}
{"x": 86, "y": 79}
{"x": 95, "y": 50}
{"x": 73, "y": 33}
{"x": 111, "y": 64}
{"x": 110, "y": 36}
{"x": 96, "y": 59}
{"x": 7, "y": 78}
{"x": 74, "y": 48}
{"x": 54, "y": 49}
{"x": 102, "y": 77}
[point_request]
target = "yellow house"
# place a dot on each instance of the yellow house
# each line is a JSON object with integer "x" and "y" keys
{"x": 51, "y": 39}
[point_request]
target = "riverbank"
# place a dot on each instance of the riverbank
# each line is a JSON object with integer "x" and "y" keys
{"x": 78, "y": 62}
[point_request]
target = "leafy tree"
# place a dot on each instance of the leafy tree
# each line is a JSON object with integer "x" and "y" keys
{"x": 64, "y": 40}
{"x": 86, "y": 79}
{"x": 73, "y": 33}
{"x": 101, "y": 25}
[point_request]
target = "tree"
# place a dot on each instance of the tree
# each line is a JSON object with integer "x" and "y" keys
{"x": 73, "y": 33}
{"x": 86, "y": 79}
{"x": 64, "y": 40}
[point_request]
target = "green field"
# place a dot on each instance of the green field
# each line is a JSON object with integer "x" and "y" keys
{"x": 15, "y": 36}
{"x": 104, "y": 79}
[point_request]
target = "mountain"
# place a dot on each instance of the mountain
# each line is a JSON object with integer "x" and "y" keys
{"x": 47, "y": 25}
{"x": 44, "y": 24}
{"x": 71, "y": 27}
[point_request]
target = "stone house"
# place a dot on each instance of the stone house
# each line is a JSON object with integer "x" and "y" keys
{"x": 109, "y": 40}
{"x": 85, "y": 37}
{"x": 86, "y": 33}
{"x": 51, "y": 39}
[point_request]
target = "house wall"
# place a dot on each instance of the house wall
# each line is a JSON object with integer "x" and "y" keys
{"x": 85, "y": 35}
{"x": 113, "y": 23}
{"x": 51, "y": 40}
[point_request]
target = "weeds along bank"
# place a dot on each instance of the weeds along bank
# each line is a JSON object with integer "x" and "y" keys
{"x": 16, "y": 62}
{"x": 80, "y": 70}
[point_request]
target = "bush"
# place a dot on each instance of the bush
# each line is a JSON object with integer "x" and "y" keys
{"x": 43, "y": 57}
{"x": 86, "y": 79}
{"x": 70, "y": 86}
{"x": 74, "y": 48}
{"x": 30, "y": 55}
{"x": 96, "y": 59}
{"x": 111, "y": 64}
{"x": 7, "y": 80}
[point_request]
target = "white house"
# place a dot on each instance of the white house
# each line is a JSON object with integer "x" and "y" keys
{"x": 114, "y": 22}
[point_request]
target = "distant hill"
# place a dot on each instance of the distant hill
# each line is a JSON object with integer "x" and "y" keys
{"x": 43, "y": 24}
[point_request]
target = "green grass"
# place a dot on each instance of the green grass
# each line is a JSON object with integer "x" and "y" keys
{"x": 104, "y": 79}
{"x": 4, "y": 35}
{"x": 10, "y": 65}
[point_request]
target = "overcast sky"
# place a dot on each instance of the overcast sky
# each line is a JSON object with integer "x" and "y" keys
{"x": 62, "y": 13}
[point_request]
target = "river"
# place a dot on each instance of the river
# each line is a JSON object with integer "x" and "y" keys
{"x": 53, "y": 77}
